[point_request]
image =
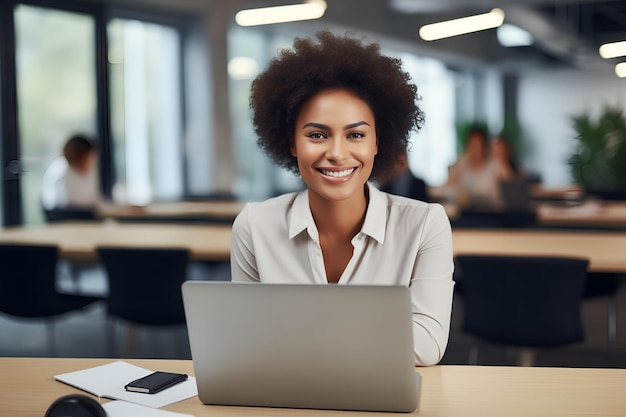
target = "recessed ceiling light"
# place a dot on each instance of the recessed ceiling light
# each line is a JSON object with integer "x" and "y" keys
{"x": 613, "y": 50}
{"x": 312, "y": 9}
{"x": 461, "y": 26}
{"x": 620, "y": 70}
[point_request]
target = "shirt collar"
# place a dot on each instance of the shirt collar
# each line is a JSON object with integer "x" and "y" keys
{"x": 301, "y": 218}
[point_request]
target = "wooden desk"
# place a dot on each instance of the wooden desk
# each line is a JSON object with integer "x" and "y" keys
{"x": 78, "y": 241}
{"x": 605, "y": 250}
{"x": 27, "y": 388}
{"x": 210, "y": 242}
{"x": 592, "y": 213}
{"x": 219, "y": 210}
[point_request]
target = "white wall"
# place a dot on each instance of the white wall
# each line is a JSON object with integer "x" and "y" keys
{"x": 547, "y": 101}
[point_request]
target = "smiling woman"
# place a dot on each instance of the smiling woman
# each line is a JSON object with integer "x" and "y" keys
{"x": 339, "y": 113}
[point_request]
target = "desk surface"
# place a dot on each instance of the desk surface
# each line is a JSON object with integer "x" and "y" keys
{"x": 227, "y": 210}
{"x": 605, "y": 250}
{"x": 77, "y": 240}
{"x": 590, "y": 213}
{"x": 27, "y": 388}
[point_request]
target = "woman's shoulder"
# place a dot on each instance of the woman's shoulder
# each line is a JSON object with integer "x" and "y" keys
{"x": 410, "y": 208}
{"x": 266, "y": 210}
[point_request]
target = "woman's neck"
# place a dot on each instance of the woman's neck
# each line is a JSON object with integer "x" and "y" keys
{"x": 343, "y": 219}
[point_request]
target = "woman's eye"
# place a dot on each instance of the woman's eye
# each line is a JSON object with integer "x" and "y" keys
{"x": 356, "y": 135}
{"x": 317, "y": 135}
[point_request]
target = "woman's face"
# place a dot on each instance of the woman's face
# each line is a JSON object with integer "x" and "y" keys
{"x": 335, "y": 144}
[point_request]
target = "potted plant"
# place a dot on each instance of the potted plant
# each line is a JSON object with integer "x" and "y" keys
{"x": 599, "y": 161}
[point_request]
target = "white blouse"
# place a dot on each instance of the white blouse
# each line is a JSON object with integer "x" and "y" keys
{"x": 402, "y": 242}
{"x": 64, "y": 187}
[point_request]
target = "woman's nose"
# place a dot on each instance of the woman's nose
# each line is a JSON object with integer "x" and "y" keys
{"x": 337, "y": 150}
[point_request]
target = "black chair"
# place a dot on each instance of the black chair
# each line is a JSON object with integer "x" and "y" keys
{"x": 69, "y": 214}
{"x": 521, "y": 301}
{"x": 28, "y": 286}
{"x": 469, "y": 218}
{"x": 144, "y": 286}
{"x": 605, "y": 285}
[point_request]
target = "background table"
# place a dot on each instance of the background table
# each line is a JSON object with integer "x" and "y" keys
{"x": 78, "y": 240}
{"x": 605, "y": 250}
{"x": 217, "y": 210}
{"x": 591, "y": 213}
{"x": 27, "y": 388}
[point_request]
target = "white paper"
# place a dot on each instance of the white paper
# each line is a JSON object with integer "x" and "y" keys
{"x": 126, "y": 409}
{"x": 109, "y": 381}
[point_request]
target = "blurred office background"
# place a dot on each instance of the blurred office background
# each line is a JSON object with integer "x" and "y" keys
{"x": 163, "y": 85}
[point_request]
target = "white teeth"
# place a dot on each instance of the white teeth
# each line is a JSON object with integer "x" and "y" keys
{"x": 338, "y": 174}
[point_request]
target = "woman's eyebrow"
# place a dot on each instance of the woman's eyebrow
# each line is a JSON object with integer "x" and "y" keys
{"x": 315, "y": 125}
{"x": 346, "y": 127}
{"x": 356, "y": 124}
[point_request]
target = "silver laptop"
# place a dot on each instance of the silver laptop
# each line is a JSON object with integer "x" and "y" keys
{"x": 338, "y": 347}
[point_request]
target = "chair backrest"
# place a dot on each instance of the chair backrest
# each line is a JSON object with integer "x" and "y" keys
{"x": 69, "y": 213}
{"x": 521, "y": 300}
{"x": 145, "y": 284}
{"x": 28, "y": 286}
{"x": 494, "y": 219}
{"x": 27, "y": 279}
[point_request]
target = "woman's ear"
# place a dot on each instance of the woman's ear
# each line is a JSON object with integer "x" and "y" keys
{"x": 292, "y": 148}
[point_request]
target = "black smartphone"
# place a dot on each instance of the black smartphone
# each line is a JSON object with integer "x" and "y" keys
{"x": 155, "y": 382}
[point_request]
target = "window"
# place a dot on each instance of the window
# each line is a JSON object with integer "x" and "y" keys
{"x": 146, "y": 111}
{"x": 56, "y": 90}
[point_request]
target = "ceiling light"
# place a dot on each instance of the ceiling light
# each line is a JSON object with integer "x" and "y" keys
{"x": 313, "y": 9}
{"x": 620, "y": 70}
{"x": 510, "y": 35}
{"x": 461, "y": 26}
{"x": 613, "y": 50}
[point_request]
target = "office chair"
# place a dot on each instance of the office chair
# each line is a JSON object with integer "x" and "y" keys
{"x": 28, "y": 286}
{"x": 605, "y": 285}
{"x": 144, "y": 287}
{"x": 470, "y": 218}
{"x": 68, "y": 214}
{"x": 522, "y": 301}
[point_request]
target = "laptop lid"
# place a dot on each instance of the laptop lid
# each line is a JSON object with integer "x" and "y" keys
{"x": 516, "y": 195}
{"x": 338, "y": 347}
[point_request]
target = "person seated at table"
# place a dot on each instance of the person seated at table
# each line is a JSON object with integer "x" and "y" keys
{"x": 403, "y": 182}
{"x": 71, "y": 180}
{"x": 339, "y": 113}
{"x": 475, "y": 177}
{"x": 502, "y": 153}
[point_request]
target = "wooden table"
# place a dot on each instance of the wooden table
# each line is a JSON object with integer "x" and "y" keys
{"x": 589, "y": 213}
{"x": 27, "y": 388}
{"x": 219, "y": 210}
{"x": 606, "y": 251}
{"x": 78, "y": 240}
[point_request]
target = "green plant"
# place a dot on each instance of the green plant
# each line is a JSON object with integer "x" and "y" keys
{"x": 599, "y": 161}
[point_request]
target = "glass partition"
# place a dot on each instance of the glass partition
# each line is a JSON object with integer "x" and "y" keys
{"x": 56, "y": 90}
{"x": 146, "y": 111}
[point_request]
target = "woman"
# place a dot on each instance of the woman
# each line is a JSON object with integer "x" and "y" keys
{"x": 475, "y": 177}
{"x": 339, "y": 113}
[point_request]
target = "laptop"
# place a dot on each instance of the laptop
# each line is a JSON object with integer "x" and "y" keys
{"x": 340, "y": 347}
{"x": 516, "y": 195}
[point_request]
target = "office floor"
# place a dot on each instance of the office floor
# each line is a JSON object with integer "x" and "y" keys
{"x": 85, "y": 334}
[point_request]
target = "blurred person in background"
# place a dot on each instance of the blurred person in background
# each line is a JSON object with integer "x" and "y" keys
{"x": 71, "y": 180}
{"x": 402, "y": 182}
{"x": 474, "y": 178}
